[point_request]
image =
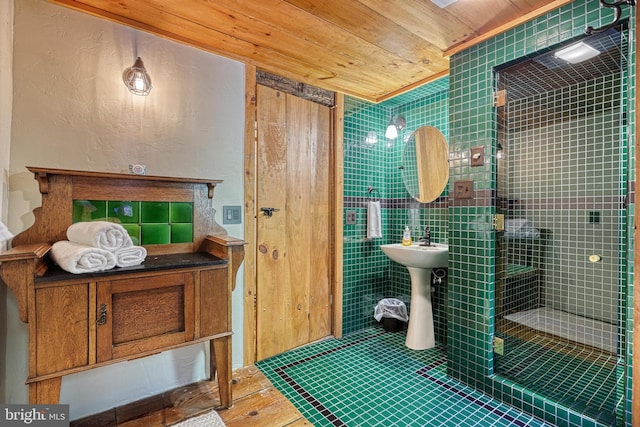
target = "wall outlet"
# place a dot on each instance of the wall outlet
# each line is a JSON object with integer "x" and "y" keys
{"x": 498, "y": 346}
{"x": 350, "y": 218}
{"x": 463, "y": 189}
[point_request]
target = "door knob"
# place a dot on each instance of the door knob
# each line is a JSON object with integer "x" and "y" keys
{"x": 269, "y": 211}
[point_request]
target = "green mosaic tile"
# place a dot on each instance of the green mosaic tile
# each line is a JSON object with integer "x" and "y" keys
{"x": 89, "y": 210}
{"x": 124, "y": 212}
{"x": 181, "y": 233}
{"x": 181, "y": 212}
{"x": 469, "y": 121}
{"x": 154, "y": 212}
{"x": 342, "y": 379}
{"x": 134, "y": 232}
{"x": 155, "y": 234}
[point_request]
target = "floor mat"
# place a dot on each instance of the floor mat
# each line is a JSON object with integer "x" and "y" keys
{"x": 372, "y": 379}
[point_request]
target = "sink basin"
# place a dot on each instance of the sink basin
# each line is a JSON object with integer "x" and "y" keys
{"x": 420, "y": 261}
{"x": 418, "y": 256}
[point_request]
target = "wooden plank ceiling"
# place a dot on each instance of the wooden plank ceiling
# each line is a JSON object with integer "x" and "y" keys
{"x": 370, "y": 49}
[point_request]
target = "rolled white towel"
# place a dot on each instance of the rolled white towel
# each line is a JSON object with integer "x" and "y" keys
{"x": 99, "y": 234}
{"x": 5, "y": 234}
{"x": 128, "y": 257}
{"x": 77, "y": 259}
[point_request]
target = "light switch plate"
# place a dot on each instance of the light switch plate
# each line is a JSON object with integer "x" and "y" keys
{"x": 232, "y": 214}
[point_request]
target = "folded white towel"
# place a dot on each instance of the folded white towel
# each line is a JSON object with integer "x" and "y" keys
{"x": 5, "y": 234}
{"x": 520, "y": 228}
{"x": 99, "y": 234}
{"x": 128, "y": 257}
{"x": 374, "y": 220}
{"x": 77, "y": 259}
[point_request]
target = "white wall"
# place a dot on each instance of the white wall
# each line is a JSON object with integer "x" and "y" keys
{"x": 71, "y": 110}
{"x": 6, "y": 96}
{"x": 6, "y": 91}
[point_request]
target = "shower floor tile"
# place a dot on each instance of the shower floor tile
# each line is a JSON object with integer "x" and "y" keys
{"x": 371, "y": 378}
{"x": 583, "y": 379}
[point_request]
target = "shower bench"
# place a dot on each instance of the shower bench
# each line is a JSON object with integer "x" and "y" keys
{"x": 179, "y": 296}
{"x": 522, "y": 274}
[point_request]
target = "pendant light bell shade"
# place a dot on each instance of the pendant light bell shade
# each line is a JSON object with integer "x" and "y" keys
{"x": 137, "y": 79}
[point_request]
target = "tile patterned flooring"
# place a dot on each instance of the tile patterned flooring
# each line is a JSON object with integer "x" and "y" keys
{"x": 582, "y": 378}
{"x": 347, "y": 382}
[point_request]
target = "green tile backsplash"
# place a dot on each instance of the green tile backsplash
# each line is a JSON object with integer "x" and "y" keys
{"x": 148, "y": 223}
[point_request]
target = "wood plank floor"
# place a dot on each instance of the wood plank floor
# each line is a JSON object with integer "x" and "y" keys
{"x": 255, "y": 402}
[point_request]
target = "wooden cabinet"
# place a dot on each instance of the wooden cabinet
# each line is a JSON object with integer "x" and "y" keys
{"x": 79, "y": 322}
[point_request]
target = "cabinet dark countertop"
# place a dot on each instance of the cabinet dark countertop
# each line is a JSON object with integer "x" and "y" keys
{"x": 151, "y": 263}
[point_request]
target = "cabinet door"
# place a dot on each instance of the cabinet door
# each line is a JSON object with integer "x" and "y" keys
{"x": 61, "y": 328}
{"x": 215, "y": 302}
{"x": 144, "y": 314}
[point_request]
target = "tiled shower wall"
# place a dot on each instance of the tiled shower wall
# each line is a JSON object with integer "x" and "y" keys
{"x": 472, "y": 248}
{"x": 577, "y": 149}
{"x": 368, "y": 273}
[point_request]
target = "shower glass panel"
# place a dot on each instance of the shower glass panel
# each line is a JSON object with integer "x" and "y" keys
{"x": 562, "y": 189}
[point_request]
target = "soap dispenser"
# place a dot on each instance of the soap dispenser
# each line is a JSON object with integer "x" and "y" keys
{"x": 406, "y": 236}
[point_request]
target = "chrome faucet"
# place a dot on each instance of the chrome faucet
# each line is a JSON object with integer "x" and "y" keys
{"x": 425, "y": 240}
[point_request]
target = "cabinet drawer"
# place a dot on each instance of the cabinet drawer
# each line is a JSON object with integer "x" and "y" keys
{"x": 144, "y": 314}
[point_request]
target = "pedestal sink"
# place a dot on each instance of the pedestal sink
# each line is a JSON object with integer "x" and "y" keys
{"x": 419, "y": 260}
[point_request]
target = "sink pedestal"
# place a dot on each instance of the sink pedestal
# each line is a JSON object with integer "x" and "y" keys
{"x": 420, "y": 333}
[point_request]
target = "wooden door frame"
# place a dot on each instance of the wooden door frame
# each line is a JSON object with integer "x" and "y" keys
{"x": 250, "y": 213}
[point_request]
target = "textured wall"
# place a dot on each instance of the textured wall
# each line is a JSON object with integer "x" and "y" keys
{"x": 71, "y": 110}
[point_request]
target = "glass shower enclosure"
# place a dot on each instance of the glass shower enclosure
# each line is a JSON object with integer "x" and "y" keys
{"x": 562, "y": 188}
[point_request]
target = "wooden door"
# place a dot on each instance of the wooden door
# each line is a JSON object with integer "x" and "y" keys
{"x": 293, "y": 256}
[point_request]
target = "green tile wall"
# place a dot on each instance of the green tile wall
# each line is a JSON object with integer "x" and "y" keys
{"x": 471, "y": 242}
{"x": 148, "y": 223}
{"x": 368, "y": 273}
{"x": 465, "y": 226}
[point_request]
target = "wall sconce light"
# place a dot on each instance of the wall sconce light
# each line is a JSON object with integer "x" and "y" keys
{"x": 137, "y": 79}
{"x": 394, "y": 126}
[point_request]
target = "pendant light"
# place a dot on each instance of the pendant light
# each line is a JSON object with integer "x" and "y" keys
{"x": 137, "y": 79}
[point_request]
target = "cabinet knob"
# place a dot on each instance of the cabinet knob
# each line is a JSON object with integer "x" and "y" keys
{"x": 102, "y": 317}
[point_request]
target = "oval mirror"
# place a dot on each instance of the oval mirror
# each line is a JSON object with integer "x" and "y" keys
{"x": 426, "y": 164}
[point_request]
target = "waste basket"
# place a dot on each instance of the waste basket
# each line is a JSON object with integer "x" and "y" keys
{"x": 392, "y": 313}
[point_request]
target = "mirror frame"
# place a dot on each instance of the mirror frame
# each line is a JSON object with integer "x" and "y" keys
{"x": 431, "y": 152}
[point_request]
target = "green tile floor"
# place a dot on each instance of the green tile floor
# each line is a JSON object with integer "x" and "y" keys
{"x": 370, "y": 378}
{"x": 582, "y": 378}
